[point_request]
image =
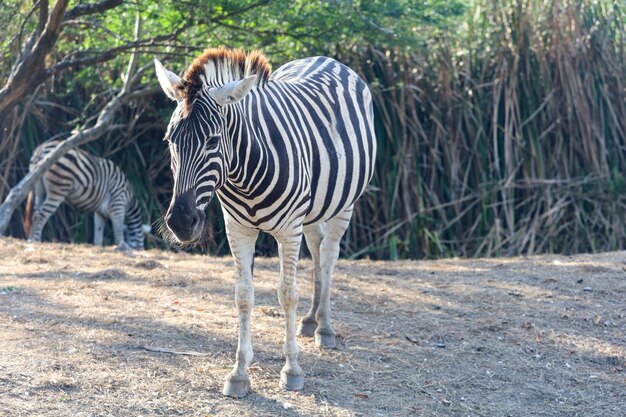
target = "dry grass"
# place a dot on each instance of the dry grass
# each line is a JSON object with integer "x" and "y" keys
{"x": 541, "y": 336}
{"x": 503, "y": 139}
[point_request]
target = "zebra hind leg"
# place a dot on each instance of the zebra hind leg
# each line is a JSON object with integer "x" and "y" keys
{"x": 98, "y": 229}
{"x": 291, "y": 376}
{"x": 329, "y": 252}
{"x": 313, "y": 235}
{"x": 117, "y": 220}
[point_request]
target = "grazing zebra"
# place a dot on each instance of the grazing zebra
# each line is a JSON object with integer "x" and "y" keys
{"x": 286, "y": 153}
{"x": 91, "y": 184}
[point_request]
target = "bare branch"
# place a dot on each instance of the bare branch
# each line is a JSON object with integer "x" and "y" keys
{"x": 18, "y": 35}
{"x": 43, "y": 15}
{"x": 132, "y": 62}
{"x": 145, "y": 92}
{"x": 92, "y": 8}
{"x": 94, "y": 25}
{"x": 52, "y": 28}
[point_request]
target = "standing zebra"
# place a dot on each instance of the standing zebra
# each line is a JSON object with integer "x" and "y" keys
{"x": 286, "y": 153}
{"x": 91, "y": 184}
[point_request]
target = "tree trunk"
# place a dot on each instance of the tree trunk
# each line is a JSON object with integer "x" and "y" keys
{"x": 30, "y": 70}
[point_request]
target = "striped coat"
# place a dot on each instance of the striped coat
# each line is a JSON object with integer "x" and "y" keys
{"x": 287, "y": 153}
{"x": 89, "y": 183}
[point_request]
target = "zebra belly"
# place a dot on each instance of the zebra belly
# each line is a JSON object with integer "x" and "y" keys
{"x": 336, "y": 188}
{"x": 88, "y": 202}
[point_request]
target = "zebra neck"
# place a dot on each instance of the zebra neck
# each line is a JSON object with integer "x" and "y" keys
{"x": 245, "y": 149}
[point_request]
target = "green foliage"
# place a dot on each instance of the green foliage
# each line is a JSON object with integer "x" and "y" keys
{"x": 500, "y": 124}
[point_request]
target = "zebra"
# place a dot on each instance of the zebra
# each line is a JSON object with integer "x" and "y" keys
{"x": 287, "y": 153}
{"x": 91, "y": 184}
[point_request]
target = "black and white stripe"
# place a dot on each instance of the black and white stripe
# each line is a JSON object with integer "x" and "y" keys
{"x": 92, "y": 184}
{"x": 287, "y": 154}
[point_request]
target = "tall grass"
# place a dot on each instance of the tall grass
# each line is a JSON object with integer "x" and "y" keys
{"x": 506, "y": 138}
{"x": 509, "y": 140}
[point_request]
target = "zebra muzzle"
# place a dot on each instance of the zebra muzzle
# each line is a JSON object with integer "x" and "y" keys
{"x": 184, "y": 219}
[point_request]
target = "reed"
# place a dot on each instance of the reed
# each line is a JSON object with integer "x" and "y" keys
{"x": 508, "y": 140}
{"x": 507, "y": 137}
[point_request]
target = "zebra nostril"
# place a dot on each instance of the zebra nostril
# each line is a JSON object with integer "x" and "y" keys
{"x": 184, "y": 219}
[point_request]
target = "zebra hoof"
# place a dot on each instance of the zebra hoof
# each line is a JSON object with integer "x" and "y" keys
{"x": 292, "y": 382}
{"x": 122, "y": 247}
{"x": 326, "y": 340}
{"x": 307, "y": 328}
{"x": 236, "y": 386}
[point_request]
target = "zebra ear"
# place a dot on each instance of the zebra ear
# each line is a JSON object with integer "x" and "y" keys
{"x": 233, "y": 91}
{"x": 168, "y": 80}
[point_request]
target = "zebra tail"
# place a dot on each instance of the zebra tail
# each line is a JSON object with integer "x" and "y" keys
{"x": 28, "y": 214}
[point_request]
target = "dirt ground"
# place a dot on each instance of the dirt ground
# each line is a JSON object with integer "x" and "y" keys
{"x": 538, "y": 336}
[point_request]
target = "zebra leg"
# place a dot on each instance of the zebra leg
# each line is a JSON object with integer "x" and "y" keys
{"x": 117, "y": 220}
{"x": 43, "y": 213}
{"x": 313, "y": 235}
{"x": 291, "y": 376}
{"x": 98, "y": 228}
{"x": 242, "y": 243}
{"x": 329, "y": 252}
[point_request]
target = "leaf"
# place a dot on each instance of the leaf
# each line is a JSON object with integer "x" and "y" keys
{"x": 174, "y": 351}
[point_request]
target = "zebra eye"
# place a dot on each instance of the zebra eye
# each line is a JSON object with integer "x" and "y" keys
{"x": 212, "y": 142}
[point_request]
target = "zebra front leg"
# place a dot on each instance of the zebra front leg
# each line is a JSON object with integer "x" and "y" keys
{"x": 329, "y": 252}
{"x": 291, "y": 376}
{"x": 313, "y": 235}
{"x": 242, "y": 243}
{"x": 41, "y": 216}
{"x": 98, "y": 229}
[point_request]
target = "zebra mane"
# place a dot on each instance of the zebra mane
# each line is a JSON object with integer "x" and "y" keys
{"x": 218, "y": 66}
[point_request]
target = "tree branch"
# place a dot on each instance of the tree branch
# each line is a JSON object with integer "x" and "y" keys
{"x": 237, "y": 12}
{"x": 132, "y": 62}
{"x": 18, "y": 35}
{"x": 51, "y": 31}
{"x": 43, "y": 15}
{"x": 85, "y": 9}
{"x": 113, "y": 52}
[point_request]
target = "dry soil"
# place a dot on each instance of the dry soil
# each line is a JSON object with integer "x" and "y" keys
{"x": 537, "y": 336}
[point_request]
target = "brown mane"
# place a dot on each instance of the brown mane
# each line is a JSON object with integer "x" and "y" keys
{"x": 218, "y": 66}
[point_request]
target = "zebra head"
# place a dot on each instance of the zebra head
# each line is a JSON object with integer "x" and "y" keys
{"x": 198, "y": 142}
